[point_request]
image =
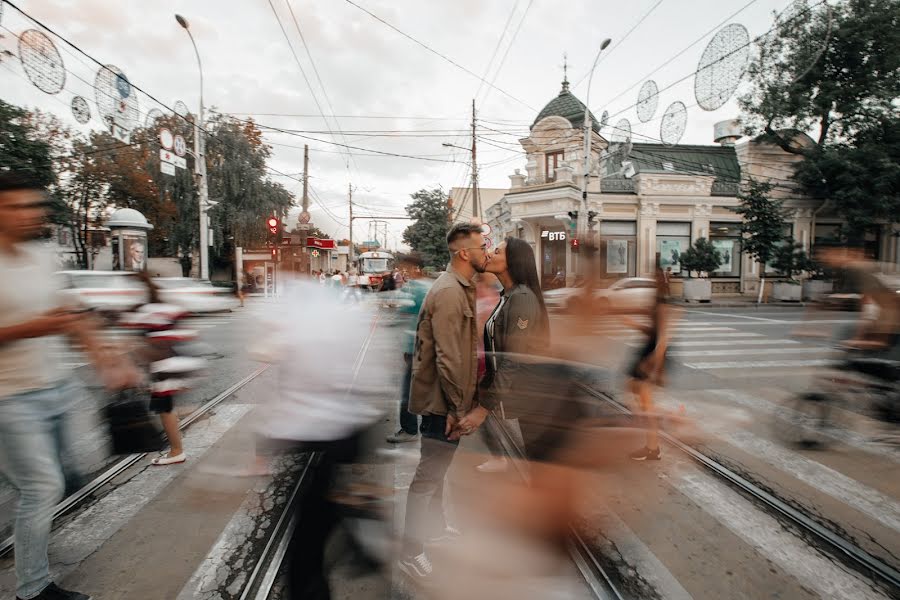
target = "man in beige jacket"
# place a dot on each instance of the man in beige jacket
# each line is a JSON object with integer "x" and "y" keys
{"x": 444, "y": 376}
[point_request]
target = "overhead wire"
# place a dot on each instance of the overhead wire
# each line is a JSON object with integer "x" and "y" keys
{"x": 506, "y": 52}
{"x": 487, "y": 69}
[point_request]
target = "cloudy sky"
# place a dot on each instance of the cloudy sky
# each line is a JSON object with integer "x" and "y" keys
{"x": 387, "y": 93}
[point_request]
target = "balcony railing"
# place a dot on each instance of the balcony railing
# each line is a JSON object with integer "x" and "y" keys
{"x": 725, "y": 188}
{"x": 617, "y": 186}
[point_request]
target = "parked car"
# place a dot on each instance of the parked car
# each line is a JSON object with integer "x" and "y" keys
{"x": 105, "y": 291}
{"x": 557, "y": 299}
{"x": 629, "y": 294}
{"x": 195, "y": 295}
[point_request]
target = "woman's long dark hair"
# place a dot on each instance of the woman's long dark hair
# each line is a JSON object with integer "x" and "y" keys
{"x": 523, "y": 271}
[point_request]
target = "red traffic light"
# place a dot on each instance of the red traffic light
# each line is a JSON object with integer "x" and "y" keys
{"x": 574, "y": 242}
{"x": 272, "y": 223}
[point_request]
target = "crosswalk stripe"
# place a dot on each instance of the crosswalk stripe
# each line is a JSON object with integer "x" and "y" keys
{"x": 750, "y": 351}
{"x": 689, "y": 336}
{"x": 742, "y": 342}
{"x": 759, "y": 364}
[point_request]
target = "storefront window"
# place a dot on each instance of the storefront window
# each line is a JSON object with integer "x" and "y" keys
{"x": 553, "y": 258}
{"x": 726, "y": 238}
{"x": 788, "y": 231}
{"x": 620, "y": 244}
{"x": 671, "y": 240}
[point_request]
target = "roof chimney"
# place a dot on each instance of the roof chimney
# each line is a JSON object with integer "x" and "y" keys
{"x": 727, "y": 132}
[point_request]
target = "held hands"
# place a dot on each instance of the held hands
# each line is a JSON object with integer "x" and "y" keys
{"x": 467, "y": 425}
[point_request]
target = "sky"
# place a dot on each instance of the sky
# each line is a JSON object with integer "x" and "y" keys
{"x": 381, "y": 92}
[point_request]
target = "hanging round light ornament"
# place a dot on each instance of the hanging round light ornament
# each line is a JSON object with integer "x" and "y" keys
{"x": 648, "y": 100}
{"x": 81, "y": 110}
{"x": 673, "y": 123}
{"x": 109, "y": 85}
{"x": 42, "y": 61}
{"x": 722, "y": 66}
{"x": 621, "y": 131}
{"x": 152, "y": 115}
{"x": 181, "y": 109}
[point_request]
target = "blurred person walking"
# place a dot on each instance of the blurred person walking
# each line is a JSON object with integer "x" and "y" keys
{"x": 38, "y": 398}
{"x": 442, "y": 390}
{"x": 649, "y": 366}
{"x": 416, "y": 288}
{"x": 518, "y": 327}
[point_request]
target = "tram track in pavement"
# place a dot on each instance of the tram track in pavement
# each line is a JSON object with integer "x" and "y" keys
{"x": 838, "y": 546}
{"x": 81, "y": 497}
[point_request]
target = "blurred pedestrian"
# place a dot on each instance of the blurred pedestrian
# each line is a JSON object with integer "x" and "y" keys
{"x": 38, "y": 398}
{"x": 239, "y": 288}
{"x": 442, "y": 390}
{"x": 649, "y": 366}
{"x": 416, "y": 288}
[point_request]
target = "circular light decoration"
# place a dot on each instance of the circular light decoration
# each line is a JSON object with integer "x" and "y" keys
{"x": 671, "y": 128}
{"x": 621, "y": 131}
{"x": 152, "y": 115}
{"x": 604, "y": 119}
{"x": 181, "y": 109}
{"x": 80, "y": 110}
{"x": 111, "y": 105}
{"x": 648, "y": 100}
{"x": 778, "y": 59}
{"x": 42, "y": 61}
{"x": 721, "y": 66}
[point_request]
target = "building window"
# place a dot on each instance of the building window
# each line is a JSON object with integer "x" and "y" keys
{"x": 671, "y": 240}
{"x": 726, "y": 238}
{"x": 667, "y": 166}
{"x": 552, "y": 160}
{"x": 619, "y": 242}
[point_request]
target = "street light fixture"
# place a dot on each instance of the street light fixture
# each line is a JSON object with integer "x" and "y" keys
{"x": 200, "y": 162}
{"x": 583, "y": 211}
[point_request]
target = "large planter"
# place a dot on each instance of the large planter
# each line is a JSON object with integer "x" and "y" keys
{"x": 787, "y": 292}
{"x": 815, "y": 289}
{"x": 697, "y": 290}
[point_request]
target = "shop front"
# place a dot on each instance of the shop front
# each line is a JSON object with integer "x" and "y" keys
{"x": 619, "y": 247}
{"x": 553, "y": 258}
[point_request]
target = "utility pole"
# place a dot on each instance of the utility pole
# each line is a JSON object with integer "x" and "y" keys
{"x": 350, "y": 202}
{"x": 305, "y": 178}
{"x": 476, "y": 200}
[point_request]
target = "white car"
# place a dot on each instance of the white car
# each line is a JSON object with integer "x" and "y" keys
{"x": 195, "y": 295}
{"x": 105, "y": 291}
{"x": 630, "y": 294}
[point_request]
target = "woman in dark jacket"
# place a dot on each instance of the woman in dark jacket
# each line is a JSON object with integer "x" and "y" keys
{"x": 517, "y": 330}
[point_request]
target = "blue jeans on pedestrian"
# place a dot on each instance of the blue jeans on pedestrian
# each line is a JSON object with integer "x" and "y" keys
{"x": 36, "y": 435}
{"x": 408, "y": 421}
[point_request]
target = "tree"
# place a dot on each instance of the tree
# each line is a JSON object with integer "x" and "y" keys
{"x": 702, "y": 257}
{"x": 22, "y": 149}
{"x": 762, "y": 227}
{"x": 834, "y": 71}
{"x": 427, "y": 235}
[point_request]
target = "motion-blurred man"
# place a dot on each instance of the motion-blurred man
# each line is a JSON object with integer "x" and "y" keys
{"x": 37, "y": 398}
{"x": 444, "y": 375}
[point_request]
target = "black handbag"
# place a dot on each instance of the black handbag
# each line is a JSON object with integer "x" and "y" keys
{"x": 132, "y": 427}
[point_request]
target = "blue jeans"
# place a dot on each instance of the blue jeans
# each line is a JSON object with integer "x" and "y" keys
{"x": 408, "y": 421}
{"x": 36, "y": 436}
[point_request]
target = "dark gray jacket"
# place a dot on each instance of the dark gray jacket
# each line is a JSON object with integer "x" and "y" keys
{"x": 520, "y": 330}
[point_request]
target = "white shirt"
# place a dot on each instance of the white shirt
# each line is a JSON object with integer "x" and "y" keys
{"x": 29, "y": 289}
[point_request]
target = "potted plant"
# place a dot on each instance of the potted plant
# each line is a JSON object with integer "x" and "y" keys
{"x": 702, "y": 258}
{"x": 819, "y": 283}
{"x": 792, "y": 260}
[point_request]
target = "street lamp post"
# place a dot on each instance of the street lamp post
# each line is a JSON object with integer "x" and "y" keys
{"x": 200, "y": 163}
{"x": 582, "y": 224}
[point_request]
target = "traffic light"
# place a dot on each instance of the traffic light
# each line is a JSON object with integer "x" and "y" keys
{"x": 573, "y": 214}
{"x": 274, "y": 230}
{"x": 272, "y": 222}
{"x": 592, "y": 217}
{"x": 575, "y": 245}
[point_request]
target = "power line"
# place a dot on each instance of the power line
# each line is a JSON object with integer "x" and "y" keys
{"x": 512, "y": 41}
{"x": 622, "y": 39}
{"x": 443, "y": 56}
{"x": 487, "y": 69}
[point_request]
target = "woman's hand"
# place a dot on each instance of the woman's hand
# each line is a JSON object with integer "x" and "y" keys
{"x": 470, "y": 423}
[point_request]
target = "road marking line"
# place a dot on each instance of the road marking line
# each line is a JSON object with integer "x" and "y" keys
{"x": 703, "y": 312}
{"x": 759, "y": 364}
{"x": 741, "y": 342}
{"x": 749, "y": 351}
{"x": 825, "y": 577}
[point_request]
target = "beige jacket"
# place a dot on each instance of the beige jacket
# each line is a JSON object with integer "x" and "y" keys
{"x": 445, "y": 363}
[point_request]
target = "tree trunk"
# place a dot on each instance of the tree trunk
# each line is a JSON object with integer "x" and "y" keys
{"x": 762, "y": 282}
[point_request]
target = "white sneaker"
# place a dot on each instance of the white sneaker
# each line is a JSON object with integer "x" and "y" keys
{"x": 416, "y": 567}
{"x": 449, "y": 534}
{"x": 494, "y": 465}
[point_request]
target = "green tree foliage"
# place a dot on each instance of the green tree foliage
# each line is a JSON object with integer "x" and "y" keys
{"x": 22, "y": 149}
{"x": 763, "y": 221}
{"x": 702, "y": 257}
{"x": 791, "y": 259}
{"x": 835, "y": 74}
{"x": 427, "y": 235}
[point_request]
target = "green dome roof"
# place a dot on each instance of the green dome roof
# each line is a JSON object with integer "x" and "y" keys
{"x": 569, "y": 107}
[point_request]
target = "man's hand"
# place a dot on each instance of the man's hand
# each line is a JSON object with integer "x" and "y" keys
{"x": 471, "y": 422}
{"x": 451, "y": 426}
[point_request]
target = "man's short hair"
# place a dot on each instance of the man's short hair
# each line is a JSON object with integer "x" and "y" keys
{"x": 462, "y": 230}
{"x": 12, "y": 181}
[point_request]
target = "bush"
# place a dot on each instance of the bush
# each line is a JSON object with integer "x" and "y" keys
{"x": 792, "y": 260}
{"x": 702, "y": 257}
